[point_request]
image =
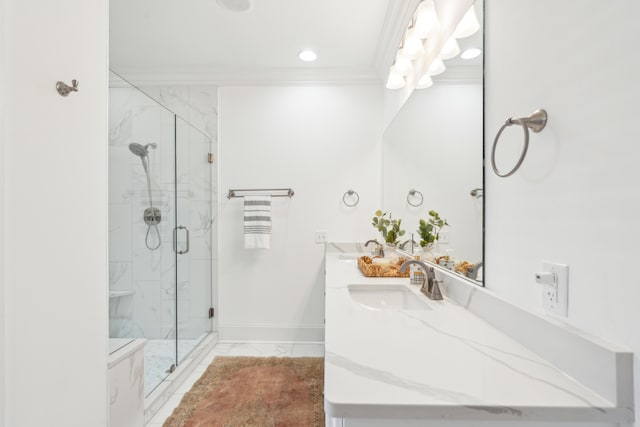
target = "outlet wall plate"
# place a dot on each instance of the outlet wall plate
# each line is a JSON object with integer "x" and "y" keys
{"x": 321, "y": 236}
{"x": 555, "y": 298}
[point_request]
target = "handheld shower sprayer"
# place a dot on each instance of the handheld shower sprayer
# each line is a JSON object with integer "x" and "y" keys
{"x": 152, "y": 216}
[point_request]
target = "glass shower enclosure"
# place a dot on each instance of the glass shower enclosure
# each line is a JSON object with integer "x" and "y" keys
{"x": 160, "y": 229}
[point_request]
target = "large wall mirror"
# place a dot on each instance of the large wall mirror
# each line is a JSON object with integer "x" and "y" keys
{"x": 433, "y": 158}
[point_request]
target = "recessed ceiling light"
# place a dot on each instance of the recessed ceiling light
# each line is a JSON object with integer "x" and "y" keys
{"x": 472, "y": 52}
{"x": 236, "y": 5}
{"x": 307, "y": 55}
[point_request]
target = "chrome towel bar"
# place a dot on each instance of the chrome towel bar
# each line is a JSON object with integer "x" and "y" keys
{"x": 233, "y": 193}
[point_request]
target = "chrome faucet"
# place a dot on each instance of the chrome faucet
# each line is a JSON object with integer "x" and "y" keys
{"x": 377, "y": 250}
{"x": 473, "y": 274}
{"x": 403, "y": 244}
{"x": 430, "y": 285}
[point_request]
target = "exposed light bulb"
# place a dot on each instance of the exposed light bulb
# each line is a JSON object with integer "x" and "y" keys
{"x": 307, "y": 55}
{"x": 395, "y": 81}
{"x": 427, "y": 22}
{"x": 424, "y": 82}
{"x": 401, "y": 66}
{"x": 472, "y": 52}
{"x": 412, "y": 45}
{"x": 468, "y": 25}
{"x": 450, "y": 49}
{"x": 436, "y": 67}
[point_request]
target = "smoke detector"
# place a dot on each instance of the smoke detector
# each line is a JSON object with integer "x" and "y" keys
{"x": 236, "y": 5}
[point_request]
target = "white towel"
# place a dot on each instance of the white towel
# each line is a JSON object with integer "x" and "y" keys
{"x": 257, "y": 222}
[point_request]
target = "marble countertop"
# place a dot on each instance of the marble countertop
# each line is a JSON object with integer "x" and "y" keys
{"x": 440, "y": 363}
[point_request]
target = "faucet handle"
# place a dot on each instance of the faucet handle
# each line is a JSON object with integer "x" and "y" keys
{"x": 433, "y": 288}
{"x": 436, "y": 294}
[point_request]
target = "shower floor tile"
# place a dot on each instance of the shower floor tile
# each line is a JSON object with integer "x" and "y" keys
{"x": 159, "y": 355}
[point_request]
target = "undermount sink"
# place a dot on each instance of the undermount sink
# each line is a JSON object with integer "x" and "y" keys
{"x": 387, "y": 297}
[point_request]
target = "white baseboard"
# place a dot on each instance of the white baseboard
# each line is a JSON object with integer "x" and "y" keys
{"x": 280, "y": 333}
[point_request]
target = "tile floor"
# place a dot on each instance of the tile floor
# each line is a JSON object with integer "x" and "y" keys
{"x": 159, "y": 355}
{"x": 235, "y": 349}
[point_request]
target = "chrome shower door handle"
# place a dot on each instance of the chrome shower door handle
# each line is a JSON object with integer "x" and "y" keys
{"x": 175, "y": 239}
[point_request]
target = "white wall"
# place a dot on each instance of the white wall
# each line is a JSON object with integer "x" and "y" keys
{"x": 55, "y": 196}
{"x": 320, "y": 141}
{"x": 434, "y": 146}
{"x": 3, "y": 299}
{"x": 576, "y": 199}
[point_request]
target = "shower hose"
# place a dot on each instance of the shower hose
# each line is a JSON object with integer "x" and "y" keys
{"x": 155, "y": 226}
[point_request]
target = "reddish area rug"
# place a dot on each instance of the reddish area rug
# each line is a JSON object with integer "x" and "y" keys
{"x": 255, "y": 391}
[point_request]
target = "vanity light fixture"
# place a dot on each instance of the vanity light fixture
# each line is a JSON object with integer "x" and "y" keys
{"x": 472, "y": 52}
{"x": 450, "y": 49}
{"x": 401, "y": 65}
{"x": 412, "y": 47}
{"x": 424, "y": 82}
{"x": 427, "y": 22}
{"x": 468, "y": 26}
{"x": 395, "y": 81}
{"x": 436, "y": 67}
{"x": 307, "y": 55}
{"x": 424, "y": 25}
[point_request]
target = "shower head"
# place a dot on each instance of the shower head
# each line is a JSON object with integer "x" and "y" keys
{"x": 141, "y": 150}
{"x": 138, "y": 149}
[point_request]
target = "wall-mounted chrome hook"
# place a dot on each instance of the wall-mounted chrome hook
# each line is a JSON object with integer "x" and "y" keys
{"x": 477, "y": 193}
{"x": 64, "y": 89}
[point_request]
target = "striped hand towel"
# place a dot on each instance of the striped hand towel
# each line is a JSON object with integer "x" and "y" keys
{"x": 257, "y": 222}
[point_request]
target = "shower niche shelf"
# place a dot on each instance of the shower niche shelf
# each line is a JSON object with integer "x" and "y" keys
{"x": 118, "y": 294}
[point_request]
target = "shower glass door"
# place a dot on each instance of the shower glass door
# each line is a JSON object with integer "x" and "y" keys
{"x": 160, "y": 252}
{"x": 142, "y": 264}
{"x": 193, "y": 236}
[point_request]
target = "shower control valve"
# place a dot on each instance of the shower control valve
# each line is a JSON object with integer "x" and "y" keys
{"x": 152, "y": 216}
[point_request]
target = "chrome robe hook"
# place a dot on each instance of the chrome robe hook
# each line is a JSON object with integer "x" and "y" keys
{"x": 64, "y": 89}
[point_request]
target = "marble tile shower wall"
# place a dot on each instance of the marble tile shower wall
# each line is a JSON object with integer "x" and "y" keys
{"x": 151, "y": 310}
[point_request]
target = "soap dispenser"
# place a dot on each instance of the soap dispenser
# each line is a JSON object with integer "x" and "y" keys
{"x": 416, "y": 275}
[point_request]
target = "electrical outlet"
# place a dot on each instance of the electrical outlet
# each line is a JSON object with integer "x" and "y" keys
{"x": 321, "y": 236}
{"x": 554, "y": 280}
{"x": 443, "y": 237}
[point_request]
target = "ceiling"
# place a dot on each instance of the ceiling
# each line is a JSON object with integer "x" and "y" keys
{"x": 201, "y": 40}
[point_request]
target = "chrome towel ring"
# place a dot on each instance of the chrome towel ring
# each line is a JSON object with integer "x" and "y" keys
{"x": 350, "y": 194}
{"x": 536, "y": 122}
{"x": 415, "y": 194}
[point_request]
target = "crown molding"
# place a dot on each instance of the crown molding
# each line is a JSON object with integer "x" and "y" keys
{"x": 238, "y": 76}
{"x": 399, "y": 13}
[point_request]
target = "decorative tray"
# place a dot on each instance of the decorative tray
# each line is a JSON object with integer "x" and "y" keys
{"x": 369, "y": 269}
